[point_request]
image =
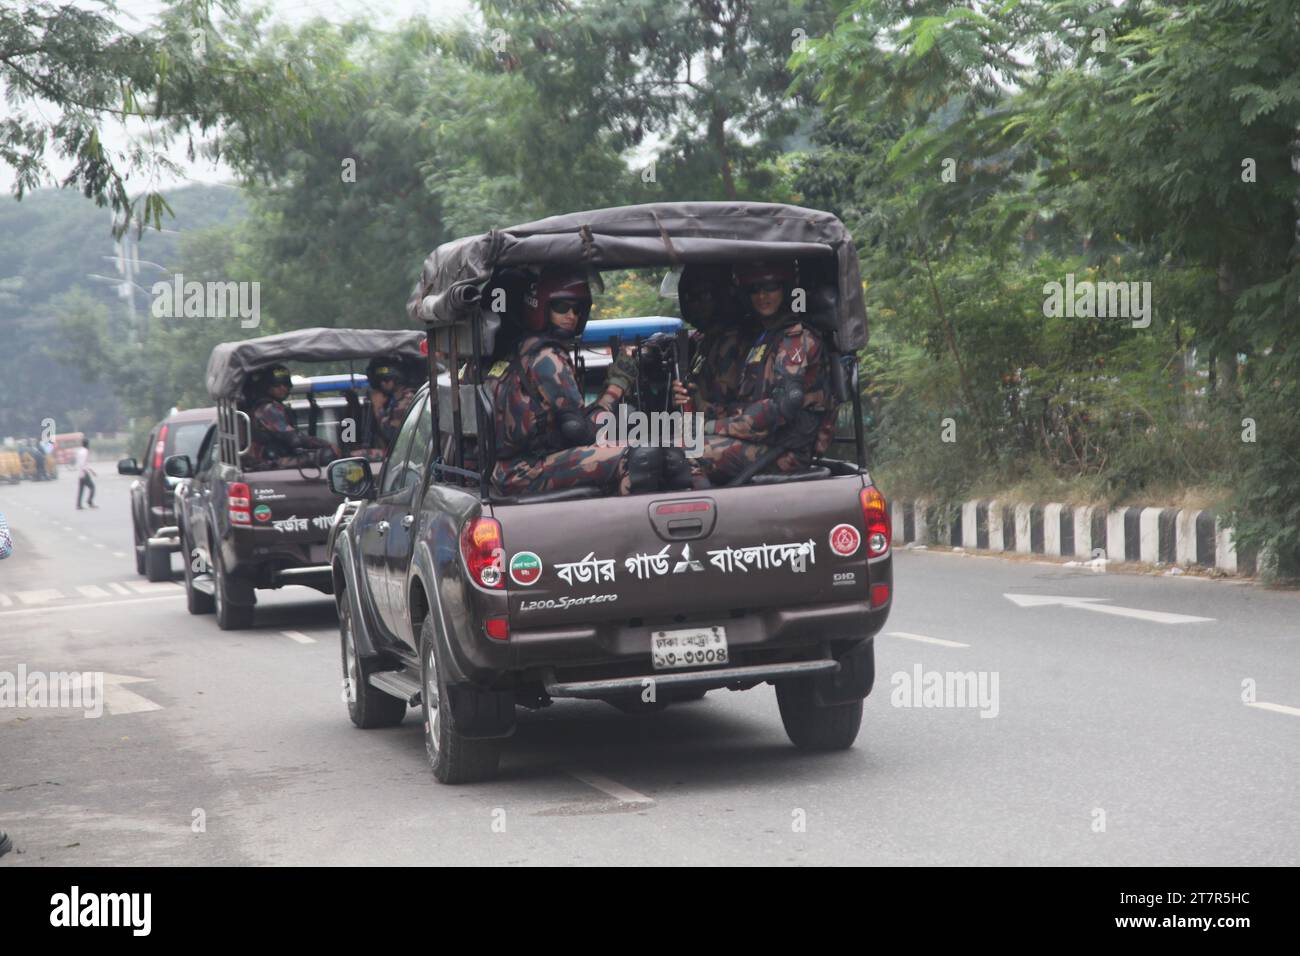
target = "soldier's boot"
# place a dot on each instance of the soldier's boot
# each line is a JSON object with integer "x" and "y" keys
{"x": 680, "y": 474}
{"x": 645, "y": 467}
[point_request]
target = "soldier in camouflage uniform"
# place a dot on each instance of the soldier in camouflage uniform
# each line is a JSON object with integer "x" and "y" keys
{"x": 721, "y": 342}
{"x": 784, "y": 402}
{"x": 545, "y": 435}
{"x": 391, "y": 396}
{"x": 275, "y": 441}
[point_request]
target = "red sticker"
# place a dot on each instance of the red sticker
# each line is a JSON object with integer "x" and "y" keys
{"x": 845, "y": 540}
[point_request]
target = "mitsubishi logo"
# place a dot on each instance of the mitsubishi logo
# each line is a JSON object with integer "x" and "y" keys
{"x": 687, "y": 563}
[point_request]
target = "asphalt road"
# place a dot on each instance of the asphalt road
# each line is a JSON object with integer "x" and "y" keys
{"x": 1106, "y": 739}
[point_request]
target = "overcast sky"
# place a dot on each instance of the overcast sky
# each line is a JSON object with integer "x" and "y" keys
{"x": 139, "y": 14}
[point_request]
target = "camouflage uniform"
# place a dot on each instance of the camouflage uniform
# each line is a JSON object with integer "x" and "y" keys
{"x": 716, "y": 367}
{"x": 387, "y": 422}
{"x": 538, "y": 385}
{"x": 787, "y": 355}
{"x": 276, "y": 441}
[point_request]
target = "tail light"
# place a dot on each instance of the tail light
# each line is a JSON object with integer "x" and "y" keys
{"x": 876, "y": 516}
{"x": 480, "y": 544}
{"x": 158, "y": 447}
{"x": 498, "y": 628}
{"x": 237, "y": 500}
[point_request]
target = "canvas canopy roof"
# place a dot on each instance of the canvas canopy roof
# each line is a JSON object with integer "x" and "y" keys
{"x": 232, "y": 362}
{"x": 668, "y": 234}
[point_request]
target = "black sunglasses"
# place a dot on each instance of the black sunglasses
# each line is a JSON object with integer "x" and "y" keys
{"x": 577, "y": 306}
{"x": 765, "y": 287}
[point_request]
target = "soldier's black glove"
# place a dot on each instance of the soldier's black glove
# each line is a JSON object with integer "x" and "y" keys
{"x": 622, "y": 372}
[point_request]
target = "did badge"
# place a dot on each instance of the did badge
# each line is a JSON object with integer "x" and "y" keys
{"x": 525, "y": 568}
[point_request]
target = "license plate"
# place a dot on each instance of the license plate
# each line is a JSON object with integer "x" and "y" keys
{"x": 690, "y": 647}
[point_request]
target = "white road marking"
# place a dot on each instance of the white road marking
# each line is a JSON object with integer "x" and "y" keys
{"x": 39, "y": 597}
{"x": 91, "y": 591}
{"x": 1277, "y": 708}
{"x": 119, "y": 700}
{"x": 1090, "y": 604}
{"x": 119, "y": 589}
{"x": 81, "y": 607}
{"x": 926, "y": 640}
{"x": 299, "y": 637}
{"x": 5, "y": 600}
{"x": 82, "y": 537}
{"x": 119, "y": 554}
{"x": 100, "y": 546}
{"x": 150, "y": 587}
{"x": 616, "y": 790}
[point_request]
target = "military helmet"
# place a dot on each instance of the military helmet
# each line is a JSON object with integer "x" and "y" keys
{"x": 265, "y": 379}
{"x": 381, "y": 367}
{"x": 552, "y": 287}
{"x": 761, "y": 271}
{"x": 706, "y": 295}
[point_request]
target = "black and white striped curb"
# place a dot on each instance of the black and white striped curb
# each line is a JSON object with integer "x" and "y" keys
{"x": 1168, "y": 536}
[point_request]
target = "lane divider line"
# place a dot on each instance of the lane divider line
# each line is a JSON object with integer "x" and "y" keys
{"x": 1277, "y": 708}
{"x": 926, "y": 640}
{"x": 611, "y": 788}
{"x": 298, "y": 636}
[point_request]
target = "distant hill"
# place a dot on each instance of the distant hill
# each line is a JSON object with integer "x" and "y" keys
{"x": 50, "y": 243}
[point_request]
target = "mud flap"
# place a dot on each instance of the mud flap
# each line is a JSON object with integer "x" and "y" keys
{"x": 854, "y": 679}
{"x": 481, "y": 713}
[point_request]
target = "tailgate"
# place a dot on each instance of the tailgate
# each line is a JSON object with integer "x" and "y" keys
{"x": 656, "y": 557}
{"x": 290, "y": 506}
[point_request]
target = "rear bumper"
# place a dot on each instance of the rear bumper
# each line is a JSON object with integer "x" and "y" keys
{"x": 831, "y": 642}
{"x": 717, "y": 677}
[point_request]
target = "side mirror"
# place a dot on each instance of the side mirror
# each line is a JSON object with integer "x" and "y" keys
{"x": 351, "y": 478}
{"x": 178, "y": 466}
{"x": 128, "y": 466}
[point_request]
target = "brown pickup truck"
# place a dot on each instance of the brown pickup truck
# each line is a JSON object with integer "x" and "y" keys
{"x": 469, "y": 604}
{"x": 245, "y": 526}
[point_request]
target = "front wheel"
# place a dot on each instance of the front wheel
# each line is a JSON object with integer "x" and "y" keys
{"x": 196, "y": 601}
{"x": 368, "y": 706}
{"x": 454, "y": 758}
{"x": 138, "y": 549}
{"x": 811, "y": 727}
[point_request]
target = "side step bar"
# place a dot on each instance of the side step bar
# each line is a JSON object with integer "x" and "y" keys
{"x": 204, "y": 584}
{"x": 397, "y": 683}
{"x": 719, "y": 677}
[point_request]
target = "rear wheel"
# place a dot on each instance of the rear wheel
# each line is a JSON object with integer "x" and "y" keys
{"x": 196, "y": 602}
{"x": 454, "y": 758}
{"x": 368, "y": 706}
{"x": 810, "y": 727}
{"x": 230, "y": 616}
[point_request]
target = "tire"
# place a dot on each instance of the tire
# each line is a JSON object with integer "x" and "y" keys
{"x": 368, "y": 707}
{"x": 454, "y": 759}
{"x": 810, "y": 727}
{"x": 230, "y": 616}
{"x": 138, "y": 548}
{"x": 157, "y": 564}
{"x": 196, "y": 602}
